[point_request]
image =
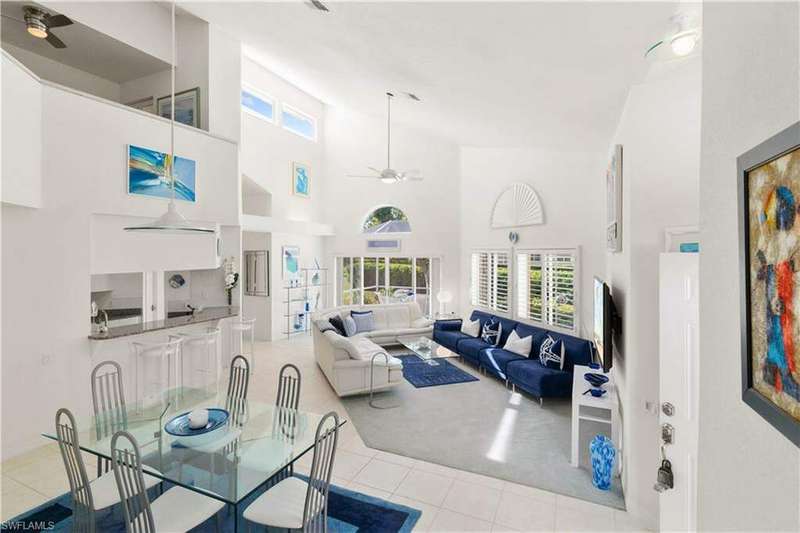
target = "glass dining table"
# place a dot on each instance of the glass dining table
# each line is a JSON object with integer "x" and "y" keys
{"x": 256, "y": 449}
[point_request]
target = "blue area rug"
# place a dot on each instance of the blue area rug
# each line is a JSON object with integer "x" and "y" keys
{"x": 420, "y": 374}
{"x": 348, "y": 512}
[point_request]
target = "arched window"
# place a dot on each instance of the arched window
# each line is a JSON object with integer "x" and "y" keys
{"x": 386, "y": 219}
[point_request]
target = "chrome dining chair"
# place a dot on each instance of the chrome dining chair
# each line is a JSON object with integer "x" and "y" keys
{"x": 88, "y": 497}
{"x": 288, "y": 387}
{"x": 294, "y": 503}
{"x": 238, "y": 383}
{"x": 177, "y": 509}
{"x": 108, "y": 400}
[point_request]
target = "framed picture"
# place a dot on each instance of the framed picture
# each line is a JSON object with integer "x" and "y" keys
{"x": 147, "y": 175}
{"x": 769, "y": 196}
{"x": 614, "y": 201}
{"x": 301, "y": 180}
{"x": 291, "y": 262}
{"x": 187, "y": 107}
{"x": 145, "y": 104}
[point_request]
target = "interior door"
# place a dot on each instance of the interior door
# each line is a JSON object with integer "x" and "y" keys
{"x": 678, "y": 377}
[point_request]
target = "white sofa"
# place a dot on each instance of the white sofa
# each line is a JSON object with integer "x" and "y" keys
{"x": 345, "y": 361}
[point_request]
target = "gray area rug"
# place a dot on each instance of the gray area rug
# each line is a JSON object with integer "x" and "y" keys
{"x": 483, "y": 428}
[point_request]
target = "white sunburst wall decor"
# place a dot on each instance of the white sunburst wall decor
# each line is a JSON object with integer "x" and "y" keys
{"x": 518, "y": 205}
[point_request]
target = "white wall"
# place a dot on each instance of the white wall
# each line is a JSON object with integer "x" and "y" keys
{"x": 47, "y": 252}
{"x": 21, "y": 136}
{"x": 354, "y": 141}
{"x": 749, "y": 473}
{"x": 267, "y": 153}
{"x": 143, "y": 25}
{"x": 571, "y": 189}
{"x": 62, "y": 74}
{"x": 660, "y": 133}
{"x": 268, "y": 150}
{"x": 224, "y": 84}
{"x": 192, "y": 50}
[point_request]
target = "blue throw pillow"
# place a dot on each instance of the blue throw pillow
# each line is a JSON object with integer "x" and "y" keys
{"x": 365, "y": 320}
{"x": 491, "y": 331}
{"x": 349, "y": 326}
{"x": 551, "y": 353}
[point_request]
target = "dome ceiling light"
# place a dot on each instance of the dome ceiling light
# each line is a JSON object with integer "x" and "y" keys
{"x": 683, "y": 37}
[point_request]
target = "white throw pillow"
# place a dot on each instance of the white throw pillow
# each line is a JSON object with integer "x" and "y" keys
{"x": 471, "y": 328}
{"x": 519, "y": 346}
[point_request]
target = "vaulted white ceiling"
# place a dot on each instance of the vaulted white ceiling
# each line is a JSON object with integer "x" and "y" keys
{"x": 548, "y": 75}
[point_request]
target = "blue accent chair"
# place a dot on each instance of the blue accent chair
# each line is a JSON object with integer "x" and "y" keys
{"x": 526, "y": 373}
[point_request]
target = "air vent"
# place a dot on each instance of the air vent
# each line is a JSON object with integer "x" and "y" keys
{"x": 384, "y": 245}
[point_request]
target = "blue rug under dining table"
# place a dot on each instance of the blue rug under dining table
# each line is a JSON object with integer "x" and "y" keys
{"x": 419, "y": 373}
{"x": 348, "y": 512}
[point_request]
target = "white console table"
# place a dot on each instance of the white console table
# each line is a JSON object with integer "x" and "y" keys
{"x": 587, "y": 407}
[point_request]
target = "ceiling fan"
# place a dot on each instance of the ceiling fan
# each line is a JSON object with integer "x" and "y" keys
{"x": 39, "y": 23}
{"x": 388, "y": 174}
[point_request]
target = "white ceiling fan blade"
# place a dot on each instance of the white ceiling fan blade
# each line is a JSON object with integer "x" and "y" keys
{"x": 375, "y": 170}
{"x": 363, "y": 177}
{"x": 413, "y": 178}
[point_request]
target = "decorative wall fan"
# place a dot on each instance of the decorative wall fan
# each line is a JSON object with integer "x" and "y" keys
{"x": 516, "y": 206}
{"x": 388, "y": 174}
{"x": 39, "y": 23}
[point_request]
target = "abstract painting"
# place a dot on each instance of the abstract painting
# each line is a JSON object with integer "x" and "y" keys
{"x": 187, "y": 107}
{"x": 301, "y": 185}
{"x": 614, "y": 201}
{"x": 291, "y": 262}
{"x": 770, "y": 191}
{"x": 147, "y": 175}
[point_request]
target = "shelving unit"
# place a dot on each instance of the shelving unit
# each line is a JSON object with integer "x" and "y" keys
{"x": 297, "y": 313}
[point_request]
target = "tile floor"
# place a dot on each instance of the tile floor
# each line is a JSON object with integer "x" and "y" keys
{"x": 450, "y": 500}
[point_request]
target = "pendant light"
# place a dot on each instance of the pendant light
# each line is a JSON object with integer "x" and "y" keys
{"x": 171, "y": 222}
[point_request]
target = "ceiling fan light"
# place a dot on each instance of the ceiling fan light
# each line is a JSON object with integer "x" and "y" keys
{"x": 389, "y": 180}
{"x": 36, "y": 27}
{"x": 683, "y": 43}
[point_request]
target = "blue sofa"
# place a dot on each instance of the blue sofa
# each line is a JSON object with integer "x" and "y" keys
{"x": 525, "y": 373}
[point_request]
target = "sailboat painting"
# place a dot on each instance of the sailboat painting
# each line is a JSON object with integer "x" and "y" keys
{"x": 147, "y": 175}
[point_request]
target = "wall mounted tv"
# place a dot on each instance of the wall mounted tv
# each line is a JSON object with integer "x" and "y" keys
{"x": 606, "y": 322}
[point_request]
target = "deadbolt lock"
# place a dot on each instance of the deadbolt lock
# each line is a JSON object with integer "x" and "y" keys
{"x": 667, "y": 408}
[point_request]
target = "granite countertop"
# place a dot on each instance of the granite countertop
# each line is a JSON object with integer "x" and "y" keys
{"x": 207, "y": 315}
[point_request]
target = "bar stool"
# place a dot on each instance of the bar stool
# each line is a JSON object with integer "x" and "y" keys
{"x": 153, "y": 362}
{"x": 241, "y": 327}
{"x": 199, "y": 346}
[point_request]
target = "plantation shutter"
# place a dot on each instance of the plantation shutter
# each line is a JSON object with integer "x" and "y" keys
{"x": 529, "y": 276}
{"x": 547, "y": 286}
{"x": 490, "y": 280}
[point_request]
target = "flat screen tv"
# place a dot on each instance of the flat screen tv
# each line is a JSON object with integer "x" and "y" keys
{"x": 606, "y": 321}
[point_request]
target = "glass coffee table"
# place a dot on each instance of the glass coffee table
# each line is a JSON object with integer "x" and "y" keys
{"x": 426, "y": 349}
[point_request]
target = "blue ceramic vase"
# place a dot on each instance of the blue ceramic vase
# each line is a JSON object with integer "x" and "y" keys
{"x": 603, "y": 454}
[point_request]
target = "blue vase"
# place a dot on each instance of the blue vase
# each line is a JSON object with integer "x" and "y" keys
{"x": 603, "y": 453}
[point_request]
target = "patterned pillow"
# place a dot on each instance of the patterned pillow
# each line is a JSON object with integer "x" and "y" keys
{"x": 491, "y": 331}
{"x": 364, "y": 320}
{"x": 551, "y": 353}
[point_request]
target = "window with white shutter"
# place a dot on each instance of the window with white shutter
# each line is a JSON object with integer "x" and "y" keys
{"x": 490, "y": 280}
{"x": 547, "y": 287}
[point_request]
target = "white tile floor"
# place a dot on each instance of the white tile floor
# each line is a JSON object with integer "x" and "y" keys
{"x": 450, "y": 499}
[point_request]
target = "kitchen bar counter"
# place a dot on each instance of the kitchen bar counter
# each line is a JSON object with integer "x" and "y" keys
{"x": 209, "y": 314}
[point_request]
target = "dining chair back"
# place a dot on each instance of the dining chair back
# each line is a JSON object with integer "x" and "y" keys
{"x": 236, "y": 397}
{"x": 288, "y": 387}
{"x": 126, "y": 461}
{"x": 108, "y": 400}
{"x": 82, "y": 501}
{"x": 315, "y": 512}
